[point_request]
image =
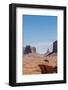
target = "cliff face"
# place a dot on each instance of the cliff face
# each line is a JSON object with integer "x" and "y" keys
{"x": 55, "y": 46}
{"x": 28, "y": 49}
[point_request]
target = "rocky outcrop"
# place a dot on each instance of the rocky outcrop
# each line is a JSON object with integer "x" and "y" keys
{"x": 47, "y": 69}
{"x": 28, "y": 49}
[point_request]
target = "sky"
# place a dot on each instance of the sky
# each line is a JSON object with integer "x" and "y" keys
{"x": 39, "y": 31}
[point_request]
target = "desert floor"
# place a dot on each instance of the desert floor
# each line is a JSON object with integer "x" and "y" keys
{"x": 39, "y": 64}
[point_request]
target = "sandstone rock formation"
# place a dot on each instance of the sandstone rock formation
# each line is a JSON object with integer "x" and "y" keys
{"x": 28, "y": 49}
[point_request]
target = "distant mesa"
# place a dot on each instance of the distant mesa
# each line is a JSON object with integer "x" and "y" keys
{"x": 28, "y": 49}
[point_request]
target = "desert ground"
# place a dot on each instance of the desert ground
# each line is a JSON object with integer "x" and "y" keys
{"x": 34, "y": 63}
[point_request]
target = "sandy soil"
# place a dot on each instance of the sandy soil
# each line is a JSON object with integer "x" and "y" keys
{"x": 38, "y": 64}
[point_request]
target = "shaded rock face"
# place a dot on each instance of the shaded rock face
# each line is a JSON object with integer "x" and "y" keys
{"x": 28, "y": 49}
{"x": 55, "y": 46}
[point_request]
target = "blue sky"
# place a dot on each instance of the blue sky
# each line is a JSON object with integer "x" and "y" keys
{"x": 40, "y": 31}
